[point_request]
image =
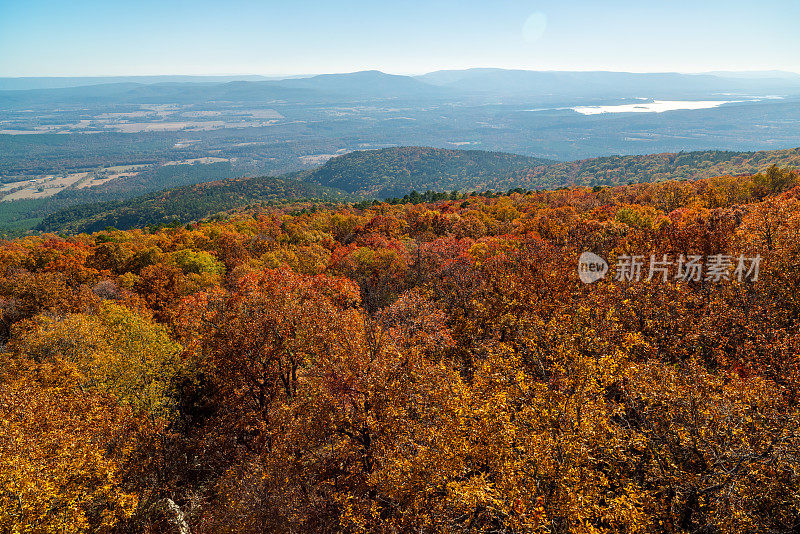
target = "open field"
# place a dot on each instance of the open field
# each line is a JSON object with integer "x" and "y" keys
{"x": 42, "y": 187}
{"x": 124, "y": 168}
{"x": 316, "y": 159}
{"x": 203, "y": 161}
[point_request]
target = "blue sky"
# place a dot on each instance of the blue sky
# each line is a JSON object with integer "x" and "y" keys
{"x": 144, "y": 37}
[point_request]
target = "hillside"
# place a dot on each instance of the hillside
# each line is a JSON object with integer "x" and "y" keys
{"x": 185, "y": 204}
{"x": 363, "y": 174}
{"x": 394, "y": 172}
{"x": 617, "y": 170}
{"x": 397, "y": 171}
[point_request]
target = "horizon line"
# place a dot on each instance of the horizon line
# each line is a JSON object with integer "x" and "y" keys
{"x": 418, "y": 73}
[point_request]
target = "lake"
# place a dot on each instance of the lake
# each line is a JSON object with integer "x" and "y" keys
{"x": 656, "y": 106}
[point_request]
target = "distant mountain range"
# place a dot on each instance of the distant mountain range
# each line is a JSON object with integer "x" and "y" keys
{"x": 442, "y": 77}
{"x": 61, "y": 82}
{"x": 541, "y": 85}
{"x": 398, "y": 171}
{"x": 602, "y": 84}
{"x": 775, "y": 74}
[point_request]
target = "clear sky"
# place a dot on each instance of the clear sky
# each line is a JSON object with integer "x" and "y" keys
{"x": 145, "y": 37}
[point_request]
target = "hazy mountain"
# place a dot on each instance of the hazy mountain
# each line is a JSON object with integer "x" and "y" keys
{"x": 542, "y": 86}
{"x": 757, "y": 74}
{"x": 326, "y": 87}
{"x": 600, "y": 84}
{"x": 376, "y": 84}
{"x": 371, "y": 83}
{"x": 59, "y": 82}
{"x": 166, "y": 93}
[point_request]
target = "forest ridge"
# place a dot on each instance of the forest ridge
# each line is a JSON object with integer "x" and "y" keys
{"x": 387, "y": 173}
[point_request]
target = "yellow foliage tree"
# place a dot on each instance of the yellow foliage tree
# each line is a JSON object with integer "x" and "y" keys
{"x": 77, "y": 395}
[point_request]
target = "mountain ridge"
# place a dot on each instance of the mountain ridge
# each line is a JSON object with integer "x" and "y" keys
{"x": 184, "y": 204}
{"x": 378, "y": 84}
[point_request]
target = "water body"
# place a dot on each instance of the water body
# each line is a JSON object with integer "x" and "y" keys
{"x": 648, "y": 105}
{"x": 656, "y": 106}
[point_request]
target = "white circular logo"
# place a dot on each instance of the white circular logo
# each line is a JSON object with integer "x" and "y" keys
{"x": 591, "y": 267}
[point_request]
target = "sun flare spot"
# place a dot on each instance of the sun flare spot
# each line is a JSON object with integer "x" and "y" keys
{"x": 534, "y": 27}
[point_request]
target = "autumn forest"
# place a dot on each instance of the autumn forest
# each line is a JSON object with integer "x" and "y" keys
{"x": 409, "y": 367}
